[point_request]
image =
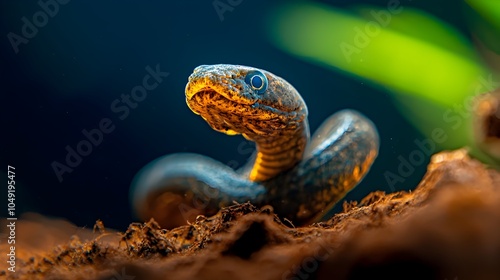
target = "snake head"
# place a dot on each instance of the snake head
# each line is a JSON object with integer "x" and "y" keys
{"x": 236, "y": 99}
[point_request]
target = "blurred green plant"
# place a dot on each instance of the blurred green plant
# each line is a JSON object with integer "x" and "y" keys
{"x": 484, "y": 19}
{"x": 432, "y": 70}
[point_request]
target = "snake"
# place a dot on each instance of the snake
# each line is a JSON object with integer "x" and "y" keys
{"x": 299, "y": 176}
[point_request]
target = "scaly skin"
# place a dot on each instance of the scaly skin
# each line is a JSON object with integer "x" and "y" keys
{"x": 300, "y": 178}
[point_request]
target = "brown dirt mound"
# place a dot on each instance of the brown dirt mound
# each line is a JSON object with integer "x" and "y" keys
{"x": 448, "y": 228}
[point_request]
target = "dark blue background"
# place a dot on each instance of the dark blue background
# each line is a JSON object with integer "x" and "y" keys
{"x": 66, "y": 77}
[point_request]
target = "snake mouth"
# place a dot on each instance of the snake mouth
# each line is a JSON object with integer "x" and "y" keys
{"x": 230, "y": 117}
{"x": 210, "y": 95}
{"x": 208, "y": 100}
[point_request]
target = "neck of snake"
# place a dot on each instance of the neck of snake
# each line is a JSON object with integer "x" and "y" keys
{"x": 279, "y": 153}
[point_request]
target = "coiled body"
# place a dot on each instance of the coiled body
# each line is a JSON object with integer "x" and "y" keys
{"x": 301, "y": 177}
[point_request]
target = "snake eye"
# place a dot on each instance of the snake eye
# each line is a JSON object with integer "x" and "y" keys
{"x": 257, "y": 80}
